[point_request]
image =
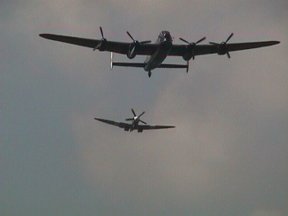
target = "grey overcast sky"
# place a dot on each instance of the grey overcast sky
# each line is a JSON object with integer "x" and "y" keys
{"x": 227, "y": 156}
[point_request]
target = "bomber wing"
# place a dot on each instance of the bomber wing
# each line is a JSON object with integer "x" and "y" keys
{"x": 149, "y": 49}
{"x": 110, "y": 46}
{"x": 181, "y": 50}
{"x": 118, "y": 124}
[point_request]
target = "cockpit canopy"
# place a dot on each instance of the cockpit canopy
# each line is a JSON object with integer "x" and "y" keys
{"x": 165, "y": 36}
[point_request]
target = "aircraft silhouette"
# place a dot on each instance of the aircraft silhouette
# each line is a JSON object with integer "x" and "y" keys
{"x": 157, "y": 52}
{"x": 134, "y": 125}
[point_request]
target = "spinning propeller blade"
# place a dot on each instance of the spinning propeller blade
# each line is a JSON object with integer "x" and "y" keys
{"x": 224, "y": 42}
{"x": 132, "y": 110}
{"x": 230, "y": 36}
{"x": 202, "y": 39}
{"x": 136, "y": 41}
{"x": 130, "y": 36}
{"x": 101, "y": 32}
{"x": 143, "y": 122}
{"x": 102, "y": 42}
{"x": 185, "y": 41}
{"x": 192, "y": 43}
{"x": 141, "y": 114}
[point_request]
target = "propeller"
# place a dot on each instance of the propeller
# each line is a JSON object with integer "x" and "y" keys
{"x": 132, "y": 110}
{"x": 136, "y": 41}
{"x": 141, "y": 114}
{"x": 223, "y": 46}
{"x": 192, "y": 44}
{"x": 132, "y": 51}
{"x": 136, "y": 117}
{"x": 102, "y": 43}
{"x": 101, "y": 31}
{"x": 143, "y": 122}
{"x": 140, "y": 119}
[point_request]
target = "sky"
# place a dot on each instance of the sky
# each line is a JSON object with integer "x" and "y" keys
{"x": 228, "y": 154}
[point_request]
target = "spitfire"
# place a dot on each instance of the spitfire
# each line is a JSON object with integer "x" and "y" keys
{"x": 134, "y": 125}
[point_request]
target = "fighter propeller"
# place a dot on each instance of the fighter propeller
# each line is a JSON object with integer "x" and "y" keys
{"x": 135, "y": 117}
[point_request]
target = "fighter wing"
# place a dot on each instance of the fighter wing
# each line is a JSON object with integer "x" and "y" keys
{"x": 118, "y": 124}
{"x": 110, "y": 46}
{"x": 181, "y": 50}
{"x": 154, "y": 127}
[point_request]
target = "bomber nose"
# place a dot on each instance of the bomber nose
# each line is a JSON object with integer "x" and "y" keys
{"x": 168, "y": 37}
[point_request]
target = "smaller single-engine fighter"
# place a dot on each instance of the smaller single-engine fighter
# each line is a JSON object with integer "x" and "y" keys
{"x": 134, "y": 125}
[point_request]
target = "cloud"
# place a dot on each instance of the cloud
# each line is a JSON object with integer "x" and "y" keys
{"x": 263, "y": 212}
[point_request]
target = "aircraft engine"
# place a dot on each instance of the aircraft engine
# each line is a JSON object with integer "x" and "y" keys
{"x": 140, "y": 130}
{"x": 132, "y": 50}
{"x": 101, "y": 46}
{"x": 222, "y": 48}
{"x": 188, "y": 54}
{"x": 190, "y": 48}
{"x": 134, "y": 46}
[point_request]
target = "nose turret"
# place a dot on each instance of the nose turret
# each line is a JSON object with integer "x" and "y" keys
{"x": 165, "y": 36}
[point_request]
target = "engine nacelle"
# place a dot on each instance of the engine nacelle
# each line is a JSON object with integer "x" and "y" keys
{"x": 102, "y": 45}
{"x": 132, "y": 50}
{"x": 140, "y": 130}
{"x": 189, "y": 52}
{"x": 222, "y": 49}
{"x": 188, "y": 55}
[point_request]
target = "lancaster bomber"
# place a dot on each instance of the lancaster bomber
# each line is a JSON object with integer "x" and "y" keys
{"x": 134, "y": 125}
{"x": 157, "y": 52}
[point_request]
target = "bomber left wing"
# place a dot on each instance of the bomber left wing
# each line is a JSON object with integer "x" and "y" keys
{"x": 221, "y": 49}
{"x": 102, "y": 44}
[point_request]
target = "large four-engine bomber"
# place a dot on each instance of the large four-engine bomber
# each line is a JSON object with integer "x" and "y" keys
{"x": 157, "y": 52}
